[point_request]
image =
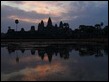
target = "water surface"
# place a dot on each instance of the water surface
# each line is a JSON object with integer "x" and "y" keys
{"x": 54, "y": 63}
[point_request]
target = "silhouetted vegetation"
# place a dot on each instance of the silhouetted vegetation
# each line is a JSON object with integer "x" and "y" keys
{"x": 63, "y": 31}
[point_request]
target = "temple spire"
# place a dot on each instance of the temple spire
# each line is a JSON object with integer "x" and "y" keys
{"x": 49, "y": 23}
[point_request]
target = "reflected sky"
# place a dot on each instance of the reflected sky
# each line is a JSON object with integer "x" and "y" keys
{"x": 55, "y": 62}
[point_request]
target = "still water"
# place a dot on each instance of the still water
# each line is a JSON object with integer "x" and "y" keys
{"x": 54, "y": 63}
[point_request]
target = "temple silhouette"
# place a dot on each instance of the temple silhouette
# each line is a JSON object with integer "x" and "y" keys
{"x": 63, "y": 31}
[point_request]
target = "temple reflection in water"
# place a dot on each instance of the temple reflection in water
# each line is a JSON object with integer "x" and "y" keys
{"x": 62, "y": 50}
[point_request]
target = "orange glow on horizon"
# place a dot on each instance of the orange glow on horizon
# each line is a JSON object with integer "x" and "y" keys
{"x": 29, "y": 20}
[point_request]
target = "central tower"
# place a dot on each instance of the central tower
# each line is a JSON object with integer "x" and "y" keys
{"x": 49, "y": 23}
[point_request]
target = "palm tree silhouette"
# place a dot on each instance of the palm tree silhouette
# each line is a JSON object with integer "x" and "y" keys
{"x": 101, "y": 24}
{"x": 16, "y": 21}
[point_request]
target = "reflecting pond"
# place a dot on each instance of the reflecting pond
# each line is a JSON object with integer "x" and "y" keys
{"x": 54, "y": 63}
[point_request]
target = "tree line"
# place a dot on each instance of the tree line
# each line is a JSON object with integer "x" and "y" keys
{"x": 63, "y": 31}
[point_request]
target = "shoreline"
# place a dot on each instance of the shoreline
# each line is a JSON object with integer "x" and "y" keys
{"x": 55, "y": 41}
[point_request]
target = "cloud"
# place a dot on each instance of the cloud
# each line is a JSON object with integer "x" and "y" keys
{"x": 41, "y": 7}
{"x": 17, "y": 2}
{"x": 7, "y": 11}
{"x": 88, "y": 13}
{"x": 73, "y": 12}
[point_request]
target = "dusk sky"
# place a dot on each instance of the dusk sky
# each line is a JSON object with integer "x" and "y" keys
{"x": 32, "y": 12}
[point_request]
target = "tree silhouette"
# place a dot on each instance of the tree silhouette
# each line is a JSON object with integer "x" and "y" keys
{"x": 9, "y": 27}
{"x": 32, "y": 28}
{"x": 101, "y": 24}
{"x": 61, "y": 24}
{"x": 22, "y": 30}
{"x": 66, "y": 25}
{"x": 56, "y": 26}
{"x": 16, "y": 21}
{"x": 97, "y": 26}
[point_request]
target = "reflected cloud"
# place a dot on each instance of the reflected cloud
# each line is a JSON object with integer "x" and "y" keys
{"x": 36, "y": 73}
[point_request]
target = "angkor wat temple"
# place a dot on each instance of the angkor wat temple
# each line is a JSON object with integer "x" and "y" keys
{"x": 62, "y": 31}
